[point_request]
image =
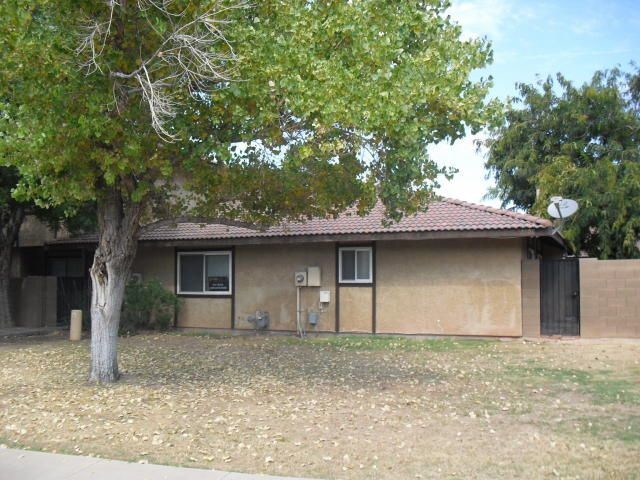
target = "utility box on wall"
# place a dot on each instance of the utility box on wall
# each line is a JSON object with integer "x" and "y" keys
{"x": 313, "y": 276}
{"x": 325, "y": 296}
{"x": 300, "y": 279}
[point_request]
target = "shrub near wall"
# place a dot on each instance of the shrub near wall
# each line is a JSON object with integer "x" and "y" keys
{"x": 147, "y": 306}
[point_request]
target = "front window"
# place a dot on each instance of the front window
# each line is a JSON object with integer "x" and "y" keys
{"x": 356, "y": 265}
{"x": 204, "y": 273}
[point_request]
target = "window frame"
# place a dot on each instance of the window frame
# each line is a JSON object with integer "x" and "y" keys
{"x": 356, "y": 280}
{"x": 205, "y": 254}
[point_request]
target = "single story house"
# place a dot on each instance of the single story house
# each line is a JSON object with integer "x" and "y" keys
{"x": 455, "y": 270}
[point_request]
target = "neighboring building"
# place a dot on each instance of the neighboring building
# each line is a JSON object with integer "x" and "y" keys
{"x": 454, "y": 270}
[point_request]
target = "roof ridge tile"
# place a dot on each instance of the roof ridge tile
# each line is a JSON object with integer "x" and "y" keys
{"x": 500, "y": 211}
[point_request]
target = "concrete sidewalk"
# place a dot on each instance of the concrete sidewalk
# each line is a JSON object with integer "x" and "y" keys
{"x": 28, "y": 465}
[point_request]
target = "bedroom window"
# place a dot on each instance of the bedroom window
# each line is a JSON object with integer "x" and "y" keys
{"x": 356, "y": 265}
{"x": 204, "y": 273}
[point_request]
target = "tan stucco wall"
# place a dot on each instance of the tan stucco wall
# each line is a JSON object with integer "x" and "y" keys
{"x": 35, "y": 233}
{"x": 156, "y": 263}
{"x": 203, "y": 312}
{"x": 264, "y": 281}
{"x": 356, "y": 309}
{"x": 531, "y": 298}
{"x": 194, "y": 312}
{"x": 453, "y": 287}
{"x": 609, "y": 298}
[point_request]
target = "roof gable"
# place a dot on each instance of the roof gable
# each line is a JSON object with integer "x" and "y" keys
{"x": 444, "y": 215}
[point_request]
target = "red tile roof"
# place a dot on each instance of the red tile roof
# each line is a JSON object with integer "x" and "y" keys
{"x": 445, "y": 215}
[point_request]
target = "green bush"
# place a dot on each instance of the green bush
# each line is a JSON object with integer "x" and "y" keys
{"x": 147, "y": 306}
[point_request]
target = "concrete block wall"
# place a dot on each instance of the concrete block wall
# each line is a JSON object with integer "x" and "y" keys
{"x": 609, "y": 298}
{"x": 531, "y": 298}
{"x": 34, "y": 301}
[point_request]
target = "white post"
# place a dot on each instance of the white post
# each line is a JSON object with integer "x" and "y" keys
{"x": 75, "y": 331}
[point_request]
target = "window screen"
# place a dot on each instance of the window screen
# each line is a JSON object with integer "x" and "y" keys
{"x": 191, "y": 273}
{"x": 208, "y": 273}
{"x": 363, "y": 264}
{"x": 348, "y": 265}
{"x": 217, "y": 273}
{"x": 355, "y": 265}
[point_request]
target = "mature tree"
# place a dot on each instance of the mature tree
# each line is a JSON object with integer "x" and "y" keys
{"x": 581, "y": 143}
{"x": 232, "y": 113}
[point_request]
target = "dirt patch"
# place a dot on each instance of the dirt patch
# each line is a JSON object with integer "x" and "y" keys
{"x": 335, "y": 408}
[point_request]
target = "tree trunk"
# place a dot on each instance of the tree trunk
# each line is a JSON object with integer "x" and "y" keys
{"x": 6, "y": 319}
{"x": 11, "y": 220}
{"x": 118, "y": 231}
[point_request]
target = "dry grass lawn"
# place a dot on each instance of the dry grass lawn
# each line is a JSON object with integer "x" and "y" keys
{"x": 346, "y": 407}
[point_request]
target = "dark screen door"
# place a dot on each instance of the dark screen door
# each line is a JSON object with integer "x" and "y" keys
{"x": 560, "y": 297}
{"x": 72, "y": 285}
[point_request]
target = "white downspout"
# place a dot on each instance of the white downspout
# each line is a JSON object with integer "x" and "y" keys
{"x": 298, "y": 320}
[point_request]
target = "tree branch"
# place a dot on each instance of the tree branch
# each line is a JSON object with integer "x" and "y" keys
{"x": 95, "y": 31}
{"x": 186, "y": 56}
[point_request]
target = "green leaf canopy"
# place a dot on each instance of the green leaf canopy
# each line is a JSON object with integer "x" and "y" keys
{"x": 581, "y": 143}
{"x": 327, "y": 104}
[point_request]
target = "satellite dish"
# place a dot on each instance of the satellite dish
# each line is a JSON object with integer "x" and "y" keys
{"x": 562, "y": 207}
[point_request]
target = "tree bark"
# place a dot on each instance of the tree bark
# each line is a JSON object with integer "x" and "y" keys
{"x": 6, "y": 319}
{"x": 10, "y": 223}
{"x": 118, "y": 232}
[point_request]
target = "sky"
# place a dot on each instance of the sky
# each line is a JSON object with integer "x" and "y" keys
{"x": 533, "y": 39}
